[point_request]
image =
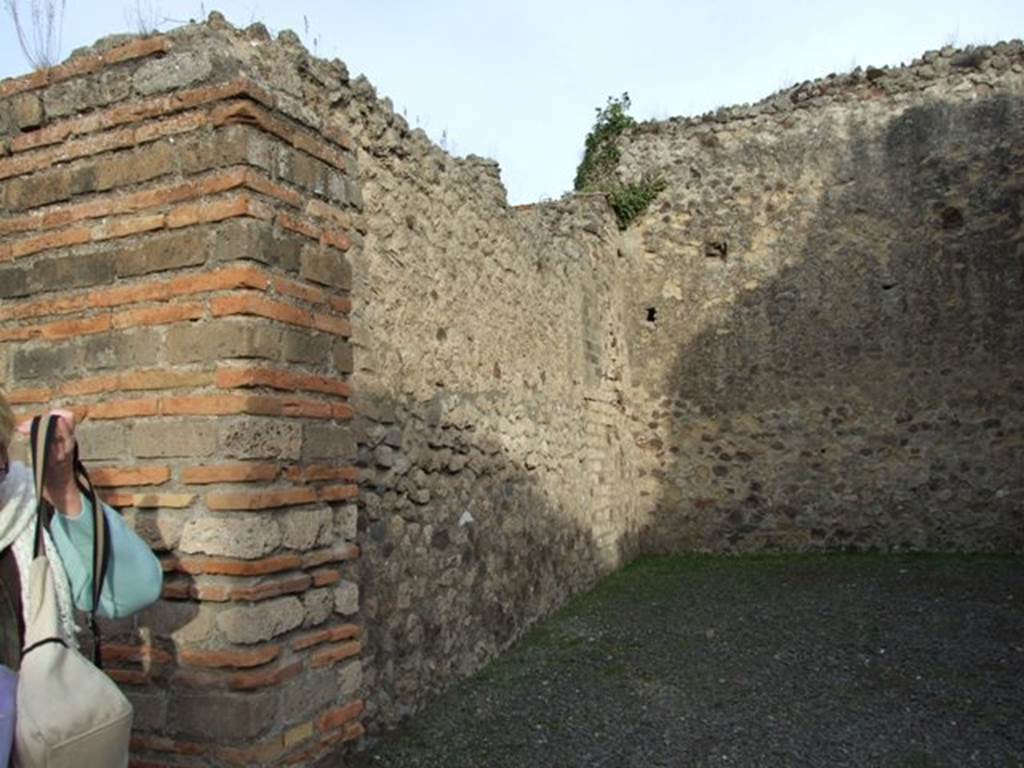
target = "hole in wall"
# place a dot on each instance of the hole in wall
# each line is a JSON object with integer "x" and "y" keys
{"x": 952, "y": 217}
{"x": 652, "y": 315}
{"x": 716, "y": 249}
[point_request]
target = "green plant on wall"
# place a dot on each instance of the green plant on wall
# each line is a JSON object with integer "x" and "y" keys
{"x": 630, "y": 200}
{"x": 596, "y": 171}
{"x": 601, "y": 155}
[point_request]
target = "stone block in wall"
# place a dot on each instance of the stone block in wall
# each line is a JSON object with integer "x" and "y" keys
{"x": 36, "y": 362}
{"x": 343, "y": 357}
{"x": 26, "y": 111}
{"x": 303, "y": 347}
{"x": 350, "y": 678}
{"x": 173, "y": 72}
{"x": 140, "y": 164}
{"x": 309, "y": 695}
{"x": 326, "y": 266}
{"x": 261, "y": 438}
{"x": 346, "y": 520}
{"x": 305, "y": 528}
{"x": 248, "y": 624}
{"x": 170, "y": 251}
{"x": 229, "y": 717}
{"x": 319, "y": 606}
{"x": 106, "y": 351}
{"x": 20, "y": 194}
{"x": 186, "y": 624}
{"x": 102, "y": 441}
{"x": 39, "y": 361}
{"x": 85, "y": 93}
{"x": 257, "y": 240}
{"x": 81, "y": 271}
{"x": 173, "y": 438}
{"x": 346, "y": 598}
{"x": 222, "y": 339}
{"x": 327, "y": 440}
{"x": 13, "y": 282}
{"x": 161, "y": 528}
{"x": 234, "y": 535}
{"x": 230, "y": 145}
{"x": 307, "y": 172}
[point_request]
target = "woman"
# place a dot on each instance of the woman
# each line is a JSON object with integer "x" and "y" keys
{"x": 133, "y": 577}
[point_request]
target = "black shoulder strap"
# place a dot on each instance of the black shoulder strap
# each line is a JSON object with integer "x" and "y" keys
{"x": 101, "y": 531}
{"x": 100, "y": 552}
{"x": 40, "y": 446}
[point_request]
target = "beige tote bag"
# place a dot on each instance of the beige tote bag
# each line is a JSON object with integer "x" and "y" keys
{"x": 70, "y": 714}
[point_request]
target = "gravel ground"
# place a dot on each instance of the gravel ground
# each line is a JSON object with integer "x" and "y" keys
{"x": 846, "y": 660}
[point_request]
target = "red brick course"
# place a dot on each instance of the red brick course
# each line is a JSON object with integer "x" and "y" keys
{"x": 230, "y": 473}
{"x": 330, "y": 635}
{"x": 240, "y": 500}
{"x": 110, "y": 477}
{"x": 229, "y": 657}
{"x": 280, "y": 379}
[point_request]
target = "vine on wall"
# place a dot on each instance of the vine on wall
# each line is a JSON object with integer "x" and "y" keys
{"x": 596, "y": 171}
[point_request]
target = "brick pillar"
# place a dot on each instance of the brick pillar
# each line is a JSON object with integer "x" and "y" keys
{"x": 172, "y": 266}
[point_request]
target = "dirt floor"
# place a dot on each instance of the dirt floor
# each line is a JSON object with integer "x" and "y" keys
{"x": 842, "y": 660}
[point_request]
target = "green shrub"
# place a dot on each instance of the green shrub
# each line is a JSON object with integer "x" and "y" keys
{"x": 601, "y": 156}
{"x": 630, "y": 200}
{"x": 596, "y": 172}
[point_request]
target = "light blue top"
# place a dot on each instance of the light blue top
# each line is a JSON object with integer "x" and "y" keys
{"x": 134, "y": 577}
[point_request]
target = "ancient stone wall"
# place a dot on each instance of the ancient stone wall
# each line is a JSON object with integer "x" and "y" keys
{"x": 172, "y": 266}
{"x": 183, "y": 213}
{"x": 826, "y": 314}
{"x": 488, "y": 368}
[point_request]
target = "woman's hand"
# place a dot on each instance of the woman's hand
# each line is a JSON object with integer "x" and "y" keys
{"x": 59, "y": 487}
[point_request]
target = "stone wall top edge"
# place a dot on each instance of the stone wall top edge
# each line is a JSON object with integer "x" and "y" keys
{"x": 313, "y": 90}
{"x": 933, "y": 69}
{"x": 321, "y": 94}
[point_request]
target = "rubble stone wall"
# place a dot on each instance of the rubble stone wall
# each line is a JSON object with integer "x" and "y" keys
{"x": 488, "y": 369}
{"x": 827, "y": 313}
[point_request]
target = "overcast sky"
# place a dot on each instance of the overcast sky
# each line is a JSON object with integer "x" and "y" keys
{"x": 519, "y": 81}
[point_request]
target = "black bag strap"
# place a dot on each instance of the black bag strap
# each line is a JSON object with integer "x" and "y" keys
{"x": 41, "y": 447}
{"x": 44, "y": 512}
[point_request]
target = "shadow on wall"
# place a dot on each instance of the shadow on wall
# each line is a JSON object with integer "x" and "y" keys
{"x": 871, "y": 395}
{"x": 463, "y": 545}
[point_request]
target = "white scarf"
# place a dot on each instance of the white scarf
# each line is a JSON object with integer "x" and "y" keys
{"x": 17, "y": 529}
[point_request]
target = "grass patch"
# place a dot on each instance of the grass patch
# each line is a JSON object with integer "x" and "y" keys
{"x": 567, "y": 637}
{"x": 652, "y": 631}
